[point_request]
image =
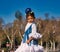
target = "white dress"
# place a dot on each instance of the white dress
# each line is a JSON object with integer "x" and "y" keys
{"x": 24, "y": 47}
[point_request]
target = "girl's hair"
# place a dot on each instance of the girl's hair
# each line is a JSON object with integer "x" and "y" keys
{"x": 29, "y": 12}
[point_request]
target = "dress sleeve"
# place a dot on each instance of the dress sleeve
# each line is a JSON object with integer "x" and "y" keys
{"x": 34, "y": 33}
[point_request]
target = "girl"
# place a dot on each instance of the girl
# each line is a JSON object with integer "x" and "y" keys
{"x": 30, "y": 38}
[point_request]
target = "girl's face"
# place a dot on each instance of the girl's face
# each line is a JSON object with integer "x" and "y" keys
{"x": 30, "y": 19}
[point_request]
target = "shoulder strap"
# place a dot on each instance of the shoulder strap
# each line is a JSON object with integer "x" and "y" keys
{"x": 29, "y": 27}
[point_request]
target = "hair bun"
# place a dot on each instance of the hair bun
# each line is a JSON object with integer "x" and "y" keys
{"x": 28, "y": 10}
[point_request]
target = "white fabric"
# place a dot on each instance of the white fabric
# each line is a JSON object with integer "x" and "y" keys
{"x": 35, "y": 35}
{"x": 27, "y": 26}
{"x": 25, "y": 48}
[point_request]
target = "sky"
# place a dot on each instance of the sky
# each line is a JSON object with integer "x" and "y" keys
{"x": 40, "y": 7}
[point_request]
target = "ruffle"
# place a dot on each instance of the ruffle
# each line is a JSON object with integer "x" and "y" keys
{"x": 35, "y": 35}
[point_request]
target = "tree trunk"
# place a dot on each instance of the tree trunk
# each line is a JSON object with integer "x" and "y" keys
{"x": 11, "y": 45}
{"x": 53, "y": 45}
{"x": 46, "y": 46}
{"x": 0, "y": 44}
{"x": 41, "y": 42}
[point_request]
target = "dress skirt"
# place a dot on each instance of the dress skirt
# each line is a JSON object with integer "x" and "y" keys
{"x": 25, "y": 48}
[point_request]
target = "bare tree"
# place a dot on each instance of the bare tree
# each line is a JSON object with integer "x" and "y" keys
{"x": 1, "y": 31}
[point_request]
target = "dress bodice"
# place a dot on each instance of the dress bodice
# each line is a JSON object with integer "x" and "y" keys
{"x": 26, "y": 36}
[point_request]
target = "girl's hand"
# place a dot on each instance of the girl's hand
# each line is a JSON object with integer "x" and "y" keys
{"x": 28, "y": 41}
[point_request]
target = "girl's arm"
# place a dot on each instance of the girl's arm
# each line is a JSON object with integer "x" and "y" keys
{"x": 34, "y": 34}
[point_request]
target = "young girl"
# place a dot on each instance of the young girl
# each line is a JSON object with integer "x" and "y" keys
{"x": 30, "y": 38}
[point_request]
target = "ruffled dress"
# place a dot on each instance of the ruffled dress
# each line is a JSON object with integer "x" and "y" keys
{"x": 30, "y": 31}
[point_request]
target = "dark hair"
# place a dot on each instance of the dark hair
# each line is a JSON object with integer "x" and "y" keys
{"x": 29, "y": 12}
